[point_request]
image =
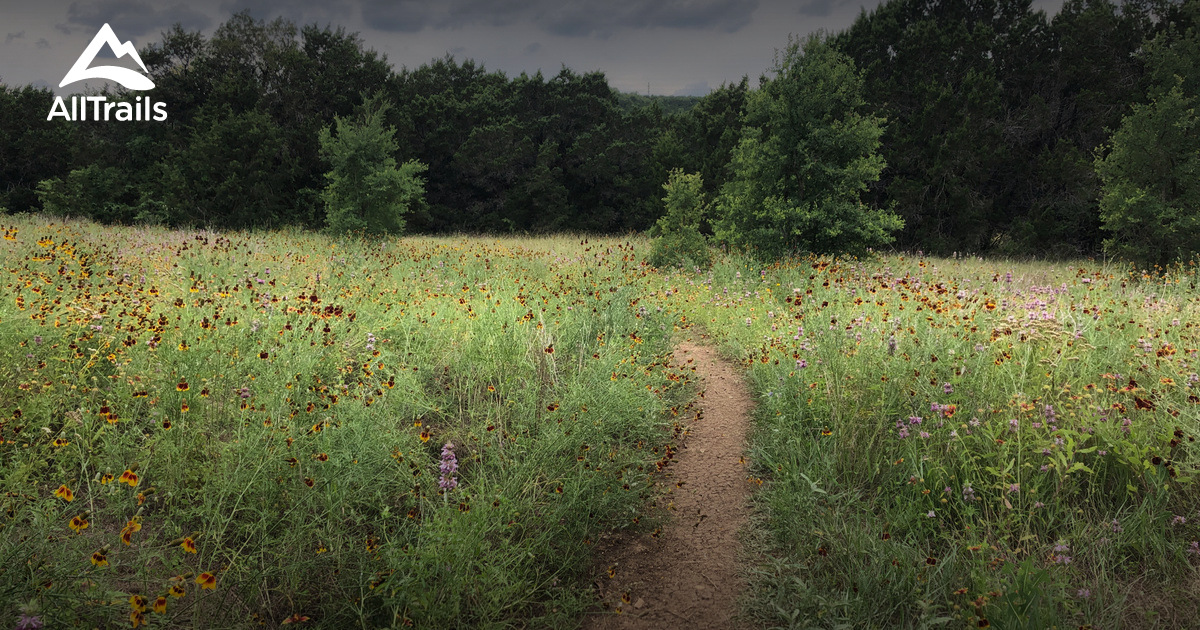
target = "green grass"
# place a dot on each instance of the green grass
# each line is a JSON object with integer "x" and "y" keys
{"x": 940, "y": 441}
{"x": 1029, "y": 503}
{"x": 284, "y": 400}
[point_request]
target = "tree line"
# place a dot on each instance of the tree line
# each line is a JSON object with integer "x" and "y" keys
{"x": 944, "y": 125}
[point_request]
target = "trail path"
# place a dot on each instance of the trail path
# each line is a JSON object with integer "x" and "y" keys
{"x": 688, "y": 577}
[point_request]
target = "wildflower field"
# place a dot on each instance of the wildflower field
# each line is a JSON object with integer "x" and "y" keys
{"x": 203, "y": 429}
{"x": 213, "y": 431}
{"x": 967, "y": 443}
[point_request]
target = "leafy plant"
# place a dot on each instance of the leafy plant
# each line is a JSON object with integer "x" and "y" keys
{"x": 678, "y": 239}
{"x": 1151, "y": 172}
{"x": 807, "y": 152}
{"x": 366, "y": 190}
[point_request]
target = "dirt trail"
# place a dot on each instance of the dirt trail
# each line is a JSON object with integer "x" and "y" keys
{"x": 688, "y": 576}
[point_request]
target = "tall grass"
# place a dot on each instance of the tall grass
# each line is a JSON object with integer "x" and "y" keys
{"x": 956, "y": 442}
{"x": 229, "y": 430}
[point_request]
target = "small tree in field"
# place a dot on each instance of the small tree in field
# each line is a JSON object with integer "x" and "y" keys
{"x": 806, "y": 154}
{"x": 679, "y": 241}
{"x": 367, "y": 191}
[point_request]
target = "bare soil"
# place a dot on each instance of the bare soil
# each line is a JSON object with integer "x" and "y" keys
{"x": 689, "y": 575}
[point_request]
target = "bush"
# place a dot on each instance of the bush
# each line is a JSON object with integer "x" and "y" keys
{"x": 366, "y": 191}
{"x": 679, "y": 241}
{"x": 93, "y": 192}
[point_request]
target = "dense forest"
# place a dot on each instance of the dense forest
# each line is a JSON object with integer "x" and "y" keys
{"x": 1000, "y": 130}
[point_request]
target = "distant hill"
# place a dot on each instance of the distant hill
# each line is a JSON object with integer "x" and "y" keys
{"x": 669, "y": 104}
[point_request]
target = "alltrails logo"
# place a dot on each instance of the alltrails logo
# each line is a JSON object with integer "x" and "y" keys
{"x": 101, "y": 109}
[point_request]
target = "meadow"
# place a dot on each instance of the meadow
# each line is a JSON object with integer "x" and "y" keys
{"x": 205, "y": 429}
{"x": 208, "y": 430}
{"x": 966, "y": 443}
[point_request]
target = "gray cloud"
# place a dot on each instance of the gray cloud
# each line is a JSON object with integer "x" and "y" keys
{"x": 460, "y": 13}
{"x": 572, "y": 18}
{"x": 301, "y": 11}
{"x": 130, "y": 18}
{"x": 533, "y": 48}
{"x": 11, "y": 36}
{"x": 42, "y": 43}
{"x": 404, "y": 16}
{"x": 580, "y": 18}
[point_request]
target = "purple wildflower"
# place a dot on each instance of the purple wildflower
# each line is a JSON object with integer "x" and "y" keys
{"x": 28, "y": 622}
{"x": 1060, "y": 553}
{"x": 449, "y": 466}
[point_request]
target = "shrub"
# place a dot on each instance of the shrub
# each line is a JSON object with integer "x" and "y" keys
{"x": 93, "y": 192}
{"x": 679, "y": 241}
{"x": 367, "y": 191}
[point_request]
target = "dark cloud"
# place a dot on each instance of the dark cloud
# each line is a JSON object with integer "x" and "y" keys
{"x": 403, "y": 16}
{"x": 460, "y": 13}
{"x": 11, "y": 36}
{"x": 299, "y": 11}
{"x": 533, "y": 48}
{"x": 131, "y": 18}
{"x": 42, "y": 43}
{"x": 570, "y": 18}
{"x": 699, "y": 88}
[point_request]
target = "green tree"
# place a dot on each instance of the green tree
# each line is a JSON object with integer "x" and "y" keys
{"x": 678, "y": 240}
{"x": 702, "y": 138}
{"x": 1150, "y": 203}
{"x": 366, "y": 190}
{"x": 32, "y": 149}
{"x": 806, "y": 155}
{"x": 233, "y": 172}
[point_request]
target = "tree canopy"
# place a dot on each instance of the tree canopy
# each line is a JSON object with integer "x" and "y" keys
{"x": 1007, "y": 131}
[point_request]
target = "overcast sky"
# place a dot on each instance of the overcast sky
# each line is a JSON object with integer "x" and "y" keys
{"x": 664, "y": 46}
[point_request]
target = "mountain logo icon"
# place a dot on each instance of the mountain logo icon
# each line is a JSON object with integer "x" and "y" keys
{"x": 126, "y": 77}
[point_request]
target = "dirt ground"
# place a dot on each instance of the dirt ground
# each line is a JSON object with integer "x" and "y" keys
{"x": 688, "y": 577}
